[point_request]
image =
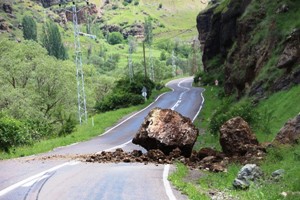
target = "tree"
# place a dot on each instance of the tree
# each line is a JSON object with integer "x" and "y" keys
{"x": 51, "y": 40}
{"x": 115, "y": 38}
{"x": 35, "y": 87}
{"x": 29, "y": 28}
{"x": 148, "y": 31}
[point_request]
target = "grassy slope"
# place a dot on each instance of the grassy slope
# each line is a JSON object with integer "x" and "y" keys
{"x": 284, "y": 106}
{"x": 177, "y": 16}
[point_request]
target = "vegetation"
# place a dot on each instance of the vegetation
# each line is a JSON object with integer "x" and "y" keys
{"x": 126, "y": 93}
{"x": 52, "y": 41}
{"x": 277, "y": 158}
{"x": 29, "y": 28}
{"x": 115, "y": 38}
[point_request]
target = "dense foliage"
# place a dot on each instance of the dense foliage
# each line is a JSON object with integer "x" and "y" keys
{"x": 229, "y": 110}
{"x": 29, "y": 28}
{"x": 115, "y": 38}
{"x": 36, "y": 90}
{"x": 126, "y": 93}
{"x": 51, "y": 40}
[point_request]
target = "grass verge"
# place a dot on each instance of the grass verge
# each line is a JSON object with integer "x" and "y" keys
{"x": 187, "y": 188}
{"x": 82, "y": 133}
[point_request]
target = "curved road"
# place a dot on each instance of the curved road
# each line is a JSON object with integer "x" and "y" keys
{"x": 38, "y": 178}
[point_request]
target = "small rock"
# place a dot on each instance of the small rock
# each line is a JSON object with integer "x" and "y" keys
{"x": 278, "y": 172}
{"x": 284, "y": 194}
{"x": 248, "y": 173}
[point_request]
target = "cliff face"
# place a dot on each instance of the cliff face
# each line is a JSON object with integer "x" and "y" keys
{"x": 254, "y": 54}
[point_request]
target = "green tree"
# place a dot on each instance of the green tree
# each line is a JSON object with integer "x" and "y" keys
{"x": 148, "y": 31}
{"x": 35, "y": 88}
{"x": 115, "y": 38}
{"x": 51, "y": 40}
{"x": 29, "y": 28}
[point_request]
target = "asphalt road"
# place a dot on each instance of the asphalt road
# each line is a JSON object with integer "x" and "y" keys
{"x": 60, "y": 178}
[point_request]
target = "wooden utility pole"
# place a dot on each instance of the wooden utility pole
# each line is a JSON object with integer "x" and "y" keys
{"x": 144, "y": 53}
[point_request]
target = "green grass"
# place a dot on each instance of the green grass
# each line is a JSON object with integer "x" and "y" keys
{"x": 283, "y": 105}
{"x": 187, "y": 188}
{"x": 274, "y": 111}
{"x": 286, "y": 158}
{"x": 82, "y": 133}
{"x": 211, "y": 103}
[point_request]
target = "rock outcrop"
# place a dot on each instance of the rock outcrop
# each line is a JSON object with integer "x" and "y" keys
{"x": 233, "y": 42}
{"x": 236, "y": 137}
{"x": 167, "y": 130}
{"x": 289, "y": 133}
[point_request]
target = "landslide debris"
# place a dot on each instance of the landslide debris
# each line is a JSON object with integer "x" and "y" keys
{"x": 238, "y": 142}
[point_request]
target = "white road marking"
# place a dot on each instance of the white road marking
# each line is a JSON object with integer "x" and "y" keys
{"x": 181, "y": 94}
{"x": 167, "y": 185}
{"x": 200, "y": 108}
{"x": 30, "y": 183}
{"x": 35, "y": 177}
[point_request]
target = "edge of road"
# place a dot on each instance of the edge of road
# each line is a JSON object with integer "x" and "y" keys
{"x": 166, "y": 170}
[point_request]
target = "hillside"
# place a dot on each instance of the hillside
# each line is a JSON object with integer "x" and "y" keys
{"x": 38, "y": 52}
{"x": 253, "y": 46}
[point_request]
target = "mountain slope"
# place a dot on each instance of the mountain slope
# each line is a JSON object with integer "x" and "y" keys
{"x": 255, "y": 44}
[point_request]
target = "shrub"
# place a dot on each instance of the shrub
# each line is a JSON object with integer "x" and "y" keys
{"x": 136, "y": 2}
{"x": 228, "y": 111}
{"x": 126, "y": 93}
{"x": 68, "y": 126}
{"x": 12, "y": 133}
{"x": 115, "y": 38}
{"x": 119, "y": 100}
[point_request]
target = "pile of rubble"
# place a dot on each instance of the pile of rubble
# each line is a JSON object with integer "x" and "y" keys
{"x": 169, "y": 137}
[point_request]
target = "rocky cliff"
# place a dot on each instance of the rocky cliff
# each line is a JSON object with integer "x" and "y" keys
{"x": 253, "y": 46}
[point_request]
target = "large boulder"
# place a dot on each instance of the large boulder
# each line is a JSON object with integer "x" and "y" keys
{"x": 289, "y": 133}
{"x": 236, "y": 137}
{"x": 167, "y": 130}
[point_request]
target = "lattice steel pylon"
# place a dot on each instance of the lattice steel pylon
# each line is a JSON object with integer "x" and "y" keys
{"x": 82, "y": 111}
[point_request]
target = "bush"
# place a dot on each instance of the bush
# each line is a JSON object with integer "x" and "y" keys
{"x": 136, "y": 2}
{"x": 119, "y": 100}
{"x": 228, "y": 111}
{"x": 115, "y": 38}
{"x": 67, "y": 127}
{"x": 207, "y": 78}
{"x": 126, "y": 93}
{"x": 12, "y": 133}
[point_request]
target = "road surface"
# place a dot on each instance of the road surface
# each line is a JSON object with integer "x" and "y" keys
{"x": 37, "y": 177}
